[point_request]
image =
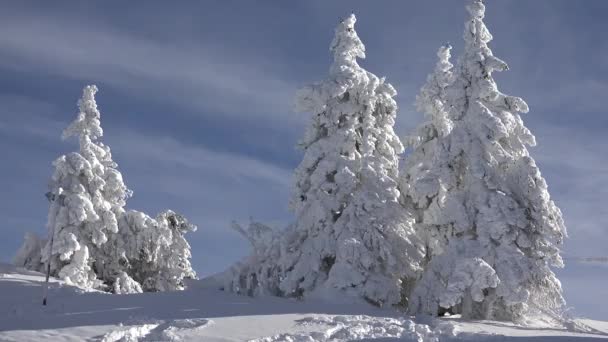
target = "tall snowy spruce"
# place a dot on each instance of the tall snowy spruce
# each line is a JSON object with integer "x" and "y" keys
{"x": 491, "y": 230}
{"x": 96, "y": 243}
{"x": 87, "y": 196}
{"x": 351, "y": 234}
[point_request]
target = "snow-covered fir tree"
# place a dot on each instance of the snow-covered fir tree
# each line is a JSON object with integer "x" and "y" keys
{"x": 95, "y": 242}
{"x": 156, "y": 253}
{"x": 431, "y": 100}
{"x": 496, "y": 230}
{"x": 420, "y": 179}
{"x": 261, "y": 272}
{"x": 351, "y": 234}
{"x": 29, "y": 255}
{"x": 88, "y": 195}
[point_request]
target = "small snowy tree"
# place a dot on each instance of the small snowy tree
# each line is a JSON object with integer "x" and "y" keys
{"x": 259, "y": 274}
{"x": 351, "y": 234}
{"x": 96, "y": 243}
{"x": 154, "y": 252}
{"x": 88, "y": 195}
{"x": 29, "y": 254}
{"x": 489, "y": 201}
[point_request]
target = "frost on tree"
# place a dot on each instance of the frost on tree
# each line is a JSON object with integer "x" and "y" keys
{"x": 96, "y": 243}
{"x": 155, "y": 251}
{"x": 495, "y": 232}
{"x": 29, "y": 254}
{"x": 351, "y": 234}
{"x": 88, "y": 195}
{"x": 259, "y": 274}
{"x": 425, "y": 167}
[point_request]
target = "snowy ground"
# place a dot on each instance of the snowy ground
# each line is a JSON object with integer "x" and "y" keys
{"x": 204, "y": 314}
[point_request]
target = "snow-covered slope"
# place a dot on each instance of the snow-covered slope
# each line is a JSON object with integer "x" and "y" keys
{"x": 203, "y": 313}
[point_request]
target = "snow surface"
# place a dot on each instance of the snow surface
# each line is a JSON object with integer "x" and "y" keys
{"x": 202, "y": 313}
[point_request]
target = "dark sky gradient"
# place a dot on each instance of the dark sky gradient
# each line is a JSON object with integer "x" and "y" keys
{"x": 196, "y": 99}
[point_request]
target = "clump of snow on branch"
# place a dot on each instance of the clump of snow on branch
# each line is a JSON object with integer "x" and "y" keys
{"x": 351, "y": 234}
{"x": 453, "y": 278}
{"x": 491, "y": 230}
{"x": 92, "y": 244}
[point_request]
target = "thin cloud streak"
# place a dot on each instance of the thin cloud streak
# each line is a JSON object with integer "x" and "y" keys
{"x": 166, "y": 150}
{"x": 576, "y": 167}
{"x": 186, "y": 73}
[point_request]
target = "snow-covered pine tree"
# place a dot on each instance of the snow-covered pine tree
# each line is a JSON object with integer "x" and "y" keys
{"x": 97, "y": 244}
{"x": 88, "y": 195}
{"x": 29, "y": 254}
{"x": 156, "y": 253}
{"x": 503, "y": 230}
{"x": 431, "y": 100}
{"x": 260, "y": 273}
{"x": 175, "y": 266}
{"x": 351, "y": 234}
{"x": 424, "y": 168}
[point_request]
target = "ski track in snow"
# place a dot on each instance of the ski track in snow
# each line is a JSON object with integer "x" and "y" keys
{"x": 173, "y": 330}
{"x": 356, "y": 328}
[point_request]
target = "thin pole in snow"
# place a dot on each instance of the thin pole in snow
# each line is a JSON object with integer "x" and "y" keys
{"x": 48, "y": 271}
{"x": 51, "y": 197}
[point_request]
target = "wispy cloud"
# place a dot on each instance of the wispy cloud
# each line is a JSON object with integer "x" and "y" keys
{"x": 577, "y": 96}
{"x": 20, "y": 114}
{"x": 208, "y": 163}
{"x": 209, "y": 185}
{"x": 189, "y": 73}
{"x": 136, "y": 147}
{"x": 576, "y": 167}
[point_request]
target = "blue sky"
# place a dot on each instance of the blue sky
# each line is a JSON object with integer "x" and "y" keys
{"x": 196, "y": 99}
